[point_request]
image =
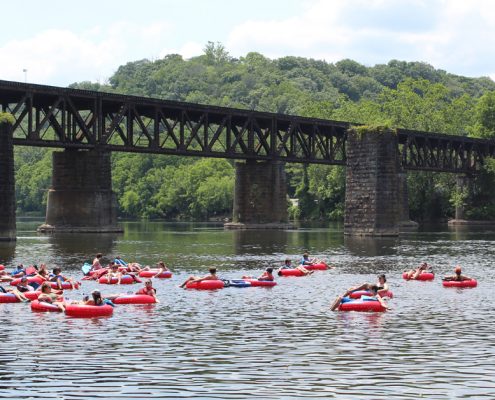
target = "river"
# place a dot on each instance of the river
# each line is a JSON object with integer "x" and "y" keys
{"x": 278, "y": 343}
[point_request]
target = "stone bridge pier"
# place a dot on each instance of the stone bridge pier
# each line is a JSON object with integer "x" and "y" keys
{"x": 260, "y": 196}
{"x": 7, "y": 184}
{"x": 373, "y": 190}
{"x": 80, "y": 198}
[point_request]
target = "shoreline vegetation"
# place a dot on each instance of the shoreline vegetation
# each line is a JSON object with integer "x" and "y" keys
{"x": 399, "y": 94}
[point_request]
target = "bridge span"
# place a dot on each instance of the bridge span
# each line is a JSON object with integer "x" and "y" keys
{"x": 89, "y": 125}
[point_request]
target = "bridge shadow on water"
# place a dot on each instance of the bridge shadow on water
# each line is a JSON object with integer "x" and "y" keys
{"x": 7, "y": 252}
{"x": 371, "y": 246}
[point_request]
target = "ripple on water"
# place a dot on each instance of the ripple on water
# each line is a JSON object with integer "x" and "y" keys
{"x": 282, "y": 342}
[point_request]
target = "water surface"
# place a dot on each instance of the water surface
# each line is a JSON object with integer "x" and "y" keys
{"x": 282, "y": 342}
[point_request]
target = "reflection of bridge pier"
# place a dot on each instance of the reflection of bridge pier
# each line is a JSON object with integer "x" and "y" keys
{"x": 81, "y": 197}
{"x": 7, "y": 184}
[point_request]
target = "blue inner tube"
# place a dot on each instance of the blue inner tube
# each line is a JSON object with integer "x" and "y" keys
{"x": 239, "y": 283}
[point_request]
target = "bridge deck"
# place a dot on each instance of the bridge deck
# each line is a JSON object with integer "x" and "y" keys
{"x": 71, "y": 118}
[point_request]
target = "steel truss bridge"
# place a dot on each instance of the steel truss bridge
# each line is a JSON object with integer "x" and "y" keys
{"x": 71, "y": 118}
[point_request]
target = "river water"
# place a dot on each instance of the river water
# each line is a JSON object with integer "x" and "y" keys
{"x": 283, "y": 342}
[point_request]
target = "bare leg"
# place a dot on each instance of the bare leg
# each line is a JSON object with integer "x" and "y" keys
{"x": 336, "y": 303}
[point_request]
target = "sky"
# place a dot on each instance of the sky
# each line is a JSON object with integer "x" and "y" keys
{"x": 58, "y": 42}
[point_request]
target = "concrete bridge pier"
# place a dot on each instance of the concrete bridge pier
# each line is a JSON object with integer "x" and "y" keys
{"x": 260, "y": 196}
{"x": 81, "y": 198}
{"x": 7, "y": 183}
{"x": 372, "y": 200}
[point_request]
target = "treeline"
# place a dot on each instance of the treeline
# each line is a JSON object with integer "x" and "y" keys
{"x": 410, "y": 95}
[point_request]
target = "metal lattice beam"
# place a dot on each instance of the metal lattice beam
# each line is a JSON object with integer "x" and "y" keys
{"x": 61, "y": 117}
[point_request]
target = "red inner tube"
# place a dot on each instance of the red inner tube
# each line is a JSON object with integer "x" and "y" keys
{"x": 257, "y": 283}
{"x": 362, "y": 305}
{"x": 8, "y": 298}
{"x": 65, "y": 285}
{"x": 88, "y": 311}
{"x": 423, "y": 276}
{"x": 461, "y": 284}
{"x": 290, "y": 272}
{"x": 125, "y": 280}
{"x": 152, "y": 274}
{"x": 134, "y": 299}
{"x": 30, "y": 279}
{"x": 42, "y": 306}
{"x": 315, "y": 267}
{"x": 206, "y": 285}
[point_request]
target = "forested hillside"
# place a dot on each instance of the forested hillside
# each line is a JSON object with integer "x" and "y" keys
{"x": 401, "y": 94}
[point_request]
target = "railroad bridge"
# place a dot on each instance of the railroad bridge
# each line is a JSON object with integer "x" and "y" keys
{"x": 89, "y": 125}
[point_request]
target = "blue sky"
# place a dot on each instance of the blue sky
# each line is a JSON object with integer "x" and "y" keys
{"x": 60, "y": 42}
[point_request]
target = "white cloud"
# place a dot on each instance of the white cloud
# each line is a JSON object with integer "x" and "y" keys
{"x": 61, "y": 56}
{"x": 187, "y": 50}
{"x": 451, "y": 34}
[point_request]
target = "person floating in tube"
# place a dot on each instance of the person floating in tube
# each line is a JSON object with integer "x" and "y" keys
{"x": 288, "y": 265}
{"x": 414, "y": 273}
{"x": 212, "y": 276}
{"x": 458, "y": 276}
{"x": 381, "y": 287}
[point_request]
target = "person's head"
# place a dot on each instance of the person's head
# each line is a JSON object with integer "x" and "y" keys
{"x": 46, "y": 287}
{"x": 213, "y": 271}
{"x": 99, "y": 255}
{"x": 57, "y": 270}
{"x": 96, "y": 296}
{"x": 269, "y": 270}
{"x": 458, "y": 270}
{"x": 374, "y": 288}
{"x": 305, "y": 256}
{"x": 35, "y": 267}
{"x": 287, "y": 261}
{"x": 117, "y": 257}
{"x": 148, "y": 283}
{"x": 423, "y": 266}
{"x": 114, "y": 266}
{"x": 160, "y": 264}
{"x": 24, "y": 280}
{"x": 382, "y": 278}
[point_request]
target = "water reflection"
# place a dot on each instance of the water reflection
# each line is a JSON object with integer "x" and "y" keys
{"x": 260, "y": 241}
{"x": 7, "y": 252}
{"x": 364, "y": 245}
{"x": 257, "y": 343}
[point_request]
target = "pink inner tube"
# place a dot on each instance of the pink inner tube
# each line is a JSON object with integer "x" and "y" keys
{"x": 2, "y": 267}
{"x": 423, "y": 276}
{"x": 461, "y": 284}
{"x": 316, "y": 267}
{"x": 382, "y": 293}
{"x": 257, "y": 283}
{"x": 8, "y": 298}
{"x": 42, "y": 306}
{"x": 206, "y": 285}
{"x": 134, "y": 299}
{"x": 362, "y": 305}
{"x": 290, "y": 272}
{"x": 125, "y": 280}
{"x": 88, "y": 311}
{"x": 35, "y": 279}
{"x": 65, "y": 285}
{"x": 152, "y": 274}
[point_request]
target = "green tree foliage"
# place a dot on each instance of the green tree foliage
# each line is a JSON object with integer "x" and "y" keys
{"x": 32, "y": 188}
{"x": 411, "y": 95}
